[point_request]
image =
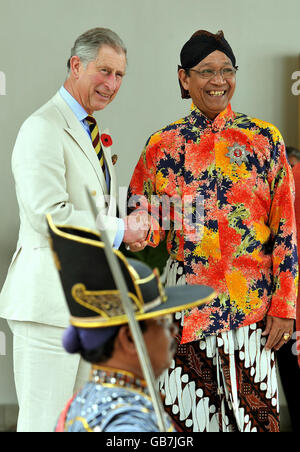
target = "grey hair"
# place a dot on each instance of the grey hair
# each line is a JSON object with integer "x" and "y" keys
{"x": 87, "y": 45}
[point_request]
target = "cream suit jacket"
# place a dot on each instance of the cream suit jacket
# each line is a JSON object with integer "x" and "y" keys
{"x": 53, "y": 160}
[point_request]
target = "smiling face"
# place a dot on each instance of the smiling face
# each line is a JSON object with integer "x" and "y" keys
{"x": 211, "y": 96}
{"x": 95, "y": 85}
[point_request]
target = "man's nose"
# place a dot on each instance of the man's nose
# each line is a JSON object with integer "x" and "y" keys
{"x": 174, "y": 329}
{"x": 218, "y": 78}
{"x": 111, "y": 82}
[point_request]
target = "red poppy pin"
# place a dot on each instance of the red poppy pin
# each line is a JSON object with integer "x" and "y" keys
{"x": 106, "y": 140}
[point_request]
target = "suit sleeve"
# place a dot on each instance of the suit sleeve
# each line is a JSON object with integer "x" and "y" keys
{"x": 40, "y": 175}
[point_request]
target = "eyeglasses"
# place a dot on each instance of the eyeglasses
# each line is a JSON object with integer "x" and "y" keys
{"x": 226, "y": 73}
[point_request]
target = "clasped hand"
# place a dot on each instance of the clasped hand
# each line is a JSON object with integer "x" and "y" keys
{"x": 137, "y": 227}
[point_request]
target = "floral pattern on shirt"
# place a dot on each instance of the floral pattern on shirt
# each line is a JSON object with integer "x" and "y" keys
{"x": 247, "y": 251}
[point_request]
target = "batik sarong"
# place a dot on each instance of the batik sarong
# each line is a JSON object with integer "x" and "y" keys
{"x": 222, "y": 383}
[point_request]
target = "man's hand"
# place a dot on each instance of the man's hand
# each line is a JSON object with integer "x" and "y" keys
{"x": 137, "y": 246}
{"x": 275, "y": 329}
{"x": 137, "y": 226}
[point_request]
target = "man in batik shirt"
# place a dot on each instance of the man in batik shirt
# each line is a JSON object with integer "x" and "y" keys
{"x": 223, "y": 377}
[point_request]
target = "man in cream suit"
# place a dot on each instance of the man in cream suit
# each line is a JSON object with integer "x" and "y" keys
{"x": 54, "y": 159}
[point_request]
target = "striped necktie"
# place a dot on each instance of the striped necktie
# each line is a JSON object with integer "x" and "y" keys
{"x": 96, "y": 140}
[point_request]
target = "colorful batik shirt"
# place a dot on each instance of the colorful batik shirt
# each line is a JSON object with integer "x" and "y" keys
{"x": 235, "y": 167}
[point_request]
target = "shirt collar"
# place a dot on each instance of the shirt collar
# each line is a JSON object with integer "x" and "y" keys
{"x": 198, "y": 119}
{"x": 75, "y": 106}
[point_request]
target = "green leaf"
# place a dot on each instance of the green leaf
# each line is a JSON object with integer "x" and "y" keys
{"x": 154, "y": 257}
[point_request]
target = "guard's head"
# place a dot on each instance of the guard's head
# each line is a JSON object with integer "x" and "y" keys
{"x": 115, "y": 347}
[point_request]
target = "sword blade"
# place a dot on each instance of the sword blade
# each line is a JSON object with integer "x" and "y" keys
{"x": 133, "y": 324}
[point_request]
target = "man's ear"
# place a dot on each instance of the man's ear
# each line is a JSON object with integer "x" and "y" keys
{"x": 75, "y": 66}
{"x": 183, "y": 77}
{"x": 126, "y": 342}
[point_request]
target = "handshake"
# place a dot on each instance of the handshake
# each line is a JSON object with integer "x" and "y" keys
{"x": 137, "y": 227}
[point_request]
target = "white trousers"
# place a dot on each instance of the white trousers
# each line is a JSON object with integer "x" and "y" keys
{"x": 46, "y": 376}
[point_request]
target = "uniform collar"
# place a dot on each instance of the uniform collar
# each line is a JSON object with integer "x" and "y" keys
{"x": 108, "y": 376}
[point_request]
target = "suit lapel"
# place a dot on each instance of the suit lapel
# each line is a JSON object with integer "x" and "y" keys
{"x": 111, "y": 170}
{"x": 77, "y": 132}
{"x": 107, "y": 156}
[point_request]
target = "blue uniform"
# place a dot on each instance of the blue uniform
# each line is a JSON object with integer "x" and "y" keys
{"x": 111, "y": 403}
